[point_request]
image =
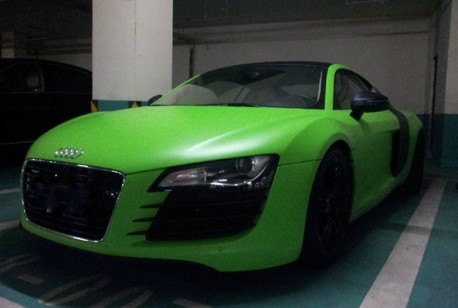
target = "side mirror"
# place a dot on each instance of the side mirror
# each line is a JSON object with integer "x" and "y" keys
{"x": 368, "y": 101}
{"x": 154, "y": 98}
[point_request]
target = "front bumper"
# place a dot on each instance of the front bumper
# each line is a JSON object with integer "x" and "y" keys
{"x": 274, "y": 238}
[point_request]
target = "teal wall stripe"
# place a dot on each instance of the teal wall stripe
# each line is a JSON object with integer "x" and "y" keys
{"x": 443, "y": 133}
{"x": 450, "y": 141}
{"x": 111, "y": 105}
{"x": 105, "y": 105}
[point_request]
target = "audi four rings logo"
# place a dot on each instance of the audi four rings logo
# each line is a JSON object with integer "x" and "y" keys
{"x": 68, "y": 153}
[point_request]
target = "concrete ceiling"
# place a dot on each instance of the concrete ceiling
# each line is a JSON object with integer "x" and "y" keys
{"x": 35, "y": 21}
{"x": 201, "y": 13}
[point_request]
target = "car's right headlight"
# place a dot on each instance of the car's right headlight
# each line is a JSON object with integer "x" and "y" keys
{"x": 250, "y": 173}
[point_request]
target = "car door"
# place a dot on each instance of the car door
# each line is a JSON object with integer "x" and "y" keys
{"x": 21, "y": 91}
{"x": 373, "y": 140}
{"x": 35, "y": 96}
{"x": 68, "y": 94}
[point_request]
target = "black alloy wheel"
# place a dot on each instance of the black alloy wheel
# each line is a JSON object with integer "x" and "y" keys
{"x": 329, "y": 210}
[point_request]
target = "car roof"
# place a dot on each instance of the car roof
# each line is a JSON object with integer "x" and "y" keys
{"x": 5, "y": 62}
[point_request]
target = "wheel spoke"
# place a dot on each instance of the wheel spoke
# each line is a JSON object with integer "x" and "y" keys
{"x": 333, "y": 199}
{"x": 331, "y": 231}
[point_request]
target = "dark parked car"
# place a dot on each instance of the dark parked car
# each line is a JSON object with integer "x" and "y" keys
{"x": 35, "y": 96}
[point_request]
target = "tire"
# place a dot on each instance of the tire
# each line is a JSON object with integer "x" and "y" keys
{"x": 328, "y": 210}
{"x": 414, "y": 181}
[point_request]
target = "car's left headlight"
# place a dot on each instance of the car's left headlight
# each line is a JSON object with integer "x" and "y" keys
{"x": 250, "y": 173}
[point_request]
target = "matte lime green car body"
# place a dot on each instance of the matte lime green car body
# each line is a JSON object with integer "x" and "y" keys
{"x": 142, "y": 143}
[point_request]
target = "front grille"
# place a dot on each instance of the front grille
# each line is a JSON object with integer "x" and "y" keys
{"x": 202, "y": 214}
{"x": 70, "y": 199}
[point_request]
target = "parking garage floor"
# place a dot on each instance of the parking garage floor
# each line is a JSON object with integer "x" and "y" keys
{"x": 402, "y": 254}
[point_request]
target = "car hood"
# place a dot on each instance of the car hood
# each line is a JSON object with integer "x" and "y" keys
{"x": 157, "y": 137}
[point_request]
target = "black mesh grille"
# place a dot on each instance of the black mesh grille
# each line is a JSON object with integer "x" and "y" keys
{"x": 70, "y": 199}
{"x": 199, "y": 214}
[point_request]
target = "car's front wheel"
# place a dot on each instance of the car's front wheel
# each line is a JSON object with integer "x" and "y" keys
{"x": 328, "y": 210}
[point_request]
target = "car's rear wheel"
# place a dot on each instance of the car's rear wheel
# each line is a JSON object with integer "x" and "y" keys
{"x": 328, "y": 210}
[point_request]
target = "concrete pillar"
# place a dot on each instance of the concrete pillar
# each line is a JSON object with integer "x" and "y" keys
{"x": 444, "y": 143}
{"x": 451, "y": 95}
{"x": 132, "y": 44}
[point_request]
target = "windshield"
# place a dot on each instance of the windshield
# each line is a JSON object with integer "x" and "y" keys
{"x": 267, "y": 85}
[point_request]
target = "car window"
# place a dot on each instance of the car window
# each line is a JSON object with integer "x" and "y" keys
{"x": 346, "y": 86}
{"x": 22, "y": 77}
{"x": 284, "y": 86}
{"x": 66, "y": 79}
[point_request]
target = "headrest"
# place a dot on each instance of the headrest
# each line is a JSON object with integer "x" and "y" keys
{"x": 33, "y": 81}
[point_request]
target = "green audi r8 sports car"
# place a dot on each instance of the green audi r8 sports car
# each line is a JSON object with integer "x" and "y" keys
{"x": 241, "y": 168}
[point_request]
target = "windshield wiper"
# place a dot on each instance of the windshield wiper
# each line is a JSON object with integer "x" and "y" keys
{"x": 235, "y": 104}
{"x": 243, "y": 105}
{"x": 221, "y": 104}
